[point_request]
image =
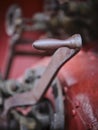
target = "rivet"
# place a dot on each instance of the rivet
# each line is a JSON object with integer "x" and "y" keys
{"x": 73, "y": 112}
{"x": 65, "y": 89}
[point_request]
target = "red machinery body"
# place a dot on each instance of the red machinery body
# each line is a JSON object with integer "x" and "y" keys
{"x": 79, "y": 81}
{"x": 79, "y": 78}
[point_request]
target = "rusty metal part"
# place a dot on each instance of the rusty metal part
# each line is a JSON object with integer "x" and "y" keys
{"x": 33, "y": 74}
{"x": 13, "y": 19}
{"x": 31, "y": 77}
{"x": 44, "y": 114}
{"x": 58, "y": 120}
{"x": 61, "y": 56}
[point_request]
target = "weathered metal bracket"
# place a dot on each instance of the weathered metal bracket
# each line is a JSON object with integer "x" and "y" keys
{"x": 60, "y": 57}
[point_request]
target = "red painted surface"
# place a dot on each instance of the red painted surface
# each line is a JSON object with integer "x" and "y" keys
{"x": 79, "y": 76}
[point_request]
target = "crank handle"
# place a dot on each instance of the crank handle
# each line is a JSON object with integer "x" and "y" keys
{"x": 62, "y": 55}
{"x": 74, "y": 42}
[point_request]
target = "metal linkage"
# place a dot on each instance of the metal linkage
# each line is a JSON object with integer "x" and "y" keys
{"x": 31, "y": 95}
{"x": 42, "y": 114}
{"x": 61, "y": 56}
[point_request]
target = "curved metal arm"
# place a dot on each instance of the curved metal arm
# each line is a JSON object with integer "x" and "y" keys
{"x": 61, "y": 56}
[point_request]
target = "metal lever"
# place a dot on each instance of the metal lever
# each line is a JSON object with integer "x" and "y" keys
{"x": 72, "y": 43}
{"x": 60, "y": 57}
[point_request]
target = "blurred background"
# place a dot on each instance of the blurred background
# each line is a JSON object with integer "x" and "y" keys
{"x": 28, "y": 8}
{"x": 22, "y": 22}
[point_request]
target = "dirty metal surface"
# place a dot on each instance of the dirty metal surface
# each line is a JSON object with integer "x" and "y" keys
{"x": 61, "y": 56}
{"x": 58, "y": 120}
